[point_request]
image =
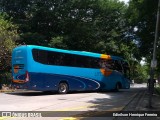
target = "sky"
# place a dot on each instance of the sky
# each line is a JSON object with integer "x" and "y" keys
{"x": 124, "y": 0}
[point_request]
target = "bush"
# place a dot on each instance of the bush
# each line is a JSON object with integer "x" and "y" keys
{"x": 158, "y": 90}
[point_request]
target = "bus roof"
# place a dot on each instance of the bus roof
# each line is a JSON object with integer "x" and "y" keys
{"x": 85, "y": 53}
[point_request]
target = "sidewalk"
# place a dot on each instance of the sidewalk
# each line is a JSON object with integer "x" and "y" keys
{"x": 139, "y": 105}
{"x": 145, "y": 101}
{"x": 155, "y": 109}
{"x": 143, "y": 106}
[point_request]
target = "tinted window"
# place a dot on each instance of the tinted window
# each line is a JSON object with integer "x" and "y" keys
{"x": 40, "y": 56}
{"x": 107, "y": 64}
{"x": 118, "y": 66}
{"x": 64, "y": 59}
{"x": 55, "y": 58}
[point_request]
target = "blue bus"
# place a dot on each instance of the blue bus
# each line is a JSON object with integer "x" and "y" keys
{"x": 51, "y": 69}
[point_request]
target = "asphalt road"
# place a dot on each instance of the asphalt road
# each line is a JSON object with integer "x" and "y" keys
{"x": 71, "y": 103}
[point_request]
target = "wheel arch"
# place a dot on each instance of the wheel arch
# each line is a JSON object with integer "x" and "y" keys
{"x": 64, "y": 81}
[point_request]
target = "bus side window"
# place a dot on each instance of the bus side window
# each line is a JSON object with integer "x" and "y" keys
{"x": 56, "y": 58}
{"x": 94, "y": 63}
{"x": 35, "y": 55}
{"x": 118, "y": 66}
{"x": 69, "y": 60}
{"x": 102, "y": 64}
{"x": 51, "y": 58}
{"x": 106, "y": 64}
{"x": 40, "y": 56}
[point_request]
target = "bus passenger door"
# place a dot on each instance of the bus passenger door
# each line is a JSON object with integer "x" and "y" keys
{"x": 126, "y": 74}
{"x": 118, "y": 72}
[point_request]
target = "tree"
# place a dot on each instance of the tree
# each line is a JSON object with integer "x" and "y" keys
{"x": 90, "y": 25}
{"x": 103, "y": 26}
{"x": 139, "y": 73}
{"x": 8, "y": 36}
{"x": 142, "y": 16}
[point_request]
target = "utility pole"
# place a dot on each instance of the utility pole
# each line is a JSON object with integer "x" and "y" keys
{"x": 154, "y": 61}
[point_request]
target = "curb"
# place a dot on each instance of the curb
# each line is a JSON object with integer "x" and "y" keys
{"x": 141, "y": 101}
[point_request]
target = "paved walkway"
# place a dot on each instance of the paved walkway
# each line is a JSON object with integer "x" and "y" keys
{"x": 155, "y": 105}
{"x": 145, "y": 102}
{"x": 139, "y": 105}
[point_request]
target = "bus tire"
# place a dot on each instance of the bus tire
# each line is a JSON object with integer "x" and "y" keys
{"x": 63, "y": 88}
{"x": 117, "y": 87}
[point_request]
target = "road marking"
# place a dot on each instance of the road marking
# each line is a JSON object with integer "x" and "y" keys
{"x": 69, "y": 118}
{"x": 4, "y": 118}
{"x": 76, "y": 108}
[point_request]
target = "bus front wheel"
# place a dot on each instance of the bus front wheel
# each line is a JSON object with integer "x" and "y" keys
{"x": 63, "y": 88}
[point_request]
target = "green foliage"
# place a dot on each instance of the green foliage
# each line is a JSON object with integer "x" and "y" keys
{"x": 6, "y": 78}
{"x": 57, "y": 42}
{"x": 158, "y": 90}
{"x": 141, "y": 73}
{"x": 33, "y": 39}
{"x": 83, "y": 24}
{"x": 142, "y": 14}
{"x": 8, "y": 36}
{"x": 103, "y": 26}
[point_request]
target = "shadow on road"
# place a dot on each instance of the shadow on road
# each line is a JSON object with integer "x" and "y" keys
{"x": 32, "y": 93}
{"x": 104, "y": 107}
{"x": 39, "y": 93}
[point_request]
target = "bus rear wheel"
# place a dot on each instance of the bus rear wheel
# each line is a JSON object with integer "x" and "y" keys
{"x": 63, "y": 88}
